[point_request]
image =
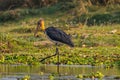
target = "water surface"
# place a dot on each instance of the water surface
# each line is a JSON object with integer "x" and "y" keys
{"x": 42, "y": 72}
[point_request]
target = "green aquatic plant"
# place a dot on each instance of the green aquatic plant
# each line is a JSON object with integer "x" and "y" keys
{"x": 92, "y": 75}
{"x": 41, "y": 73}
{"x": 51, "y": 77}
{"x": 2, "y": 58}
{"x": 80, "y": 76}
{"x": 99, "y": 75}
{"x": 26, "y": 77}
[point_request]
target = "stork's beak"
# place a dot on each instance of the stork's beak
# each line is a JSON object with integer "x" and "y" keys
{"x": 36, "y": 30}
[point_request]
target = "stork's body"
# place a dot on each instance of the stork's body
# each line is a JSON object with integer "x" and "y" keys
{"x": 56, "y": 35}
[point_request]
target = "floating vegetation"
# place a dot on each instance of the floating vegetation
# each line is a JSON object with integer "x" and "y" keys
{"x": 2, "y": 58}
{"x": 41, "y": 73}
{"x": 26, "y": 77}
{"x": 51, "y": 77}
{"x": 80, "y": 76}
{"x": 98, "y": 75}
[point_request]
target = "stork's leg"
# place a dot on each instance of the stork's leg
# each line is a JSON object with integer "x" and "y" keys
{"x": 58, "y": 59}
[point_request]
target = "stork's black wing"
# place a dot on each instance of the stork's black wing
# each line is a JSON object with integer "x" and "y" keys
{"x": 58, "y": 35}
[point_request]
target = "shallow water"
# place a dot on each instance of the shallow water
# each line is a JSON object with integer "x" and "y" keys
{"x": 42, "y": 72}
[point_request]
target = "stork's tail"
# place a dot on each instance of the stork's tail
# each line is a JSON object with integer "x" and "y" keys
{"x": 71, "y": 44}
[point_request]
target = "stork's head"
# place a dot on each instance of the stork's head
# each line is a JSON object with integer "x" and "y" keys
{"x": 40, "y": 24}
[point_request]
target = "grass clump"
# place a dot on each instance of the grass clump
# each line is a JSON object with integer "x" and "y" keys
{"x": 10, "y": 44}
{"x": 23, "y": 30}
{"x": 99, "y": 19}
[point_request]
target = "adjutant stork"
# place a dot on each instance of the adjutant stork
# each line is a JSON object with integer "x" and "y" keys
{"x": 55, "y": 35}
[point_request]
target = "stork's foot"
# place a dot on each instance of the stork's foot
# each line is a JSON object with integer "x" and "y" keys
{"x": 55, "y": 54}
